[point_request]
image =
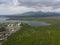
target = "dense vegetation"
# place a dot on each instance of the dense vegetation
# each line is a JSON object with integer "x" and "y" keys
{"x": 41, "y": 35}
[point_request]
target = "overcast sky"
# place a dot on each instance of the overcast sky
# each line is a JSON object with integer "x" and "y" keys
{"x": 21, "y": 6}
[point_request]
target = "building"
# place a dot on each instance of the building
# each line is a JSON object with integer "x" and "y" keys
{"x": 7, "y": 31}
{"x": 13, "y": 27}
{"x": 3, "y": 33}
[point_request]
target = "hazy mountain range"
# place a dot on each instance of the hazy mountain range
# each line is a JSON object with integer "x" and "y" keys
{"x": 40, "y": 14}
{"x": 34, "y": 14}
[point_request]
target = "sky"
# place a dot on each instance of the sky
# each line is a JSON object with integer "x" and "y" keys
{"x": 21, "y": 6}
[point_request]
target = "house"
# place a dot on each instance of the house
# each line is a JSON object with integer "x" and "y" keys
{"x": 3, "y": 33}
{"x": 7, "y": 31}
{"x": 18, "y": 24}
{"x": 13, "y": 27}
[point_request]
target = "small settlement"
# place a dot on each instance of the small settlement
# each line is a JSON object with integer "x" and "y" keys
{"x": 11, "y": 28}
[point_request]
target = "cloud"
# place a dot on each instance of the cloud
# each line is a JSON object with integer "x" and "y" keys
{"x": 42, "y": 5}
{"x": 21, "y": 6}
{"x": 13, "y": 8}
{"x": 32, "y": 3}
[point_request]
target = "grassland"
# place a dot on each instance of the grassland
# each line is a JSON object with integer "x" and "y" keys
{"x": 40, "y": 35}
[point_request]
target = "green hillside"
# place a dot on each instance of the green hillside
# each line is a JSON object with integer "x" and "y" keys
{"x": 40, "y": 35}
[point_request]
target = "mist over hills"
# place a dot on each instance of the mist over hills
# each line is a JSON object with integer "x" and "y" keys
{"x": 40, "y": 14}
{"x": 34, "y": 14}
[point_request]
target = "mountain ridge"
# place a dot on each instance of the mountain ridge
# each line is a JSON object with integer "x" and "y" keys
{"x": 34, "y": 14}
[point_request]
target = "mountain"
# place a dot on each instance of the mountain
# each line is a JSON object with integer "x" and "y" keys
{"x": 35, "y": 14}
{"x": 40, "y": 14}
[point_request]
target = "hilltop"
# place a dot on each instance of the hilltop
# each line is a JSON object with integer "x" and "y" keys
{"x": 33, "y": 14}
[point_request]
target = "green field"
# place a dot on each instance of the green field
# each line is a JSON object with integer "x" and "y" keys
{"x": 40, "y": 35}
